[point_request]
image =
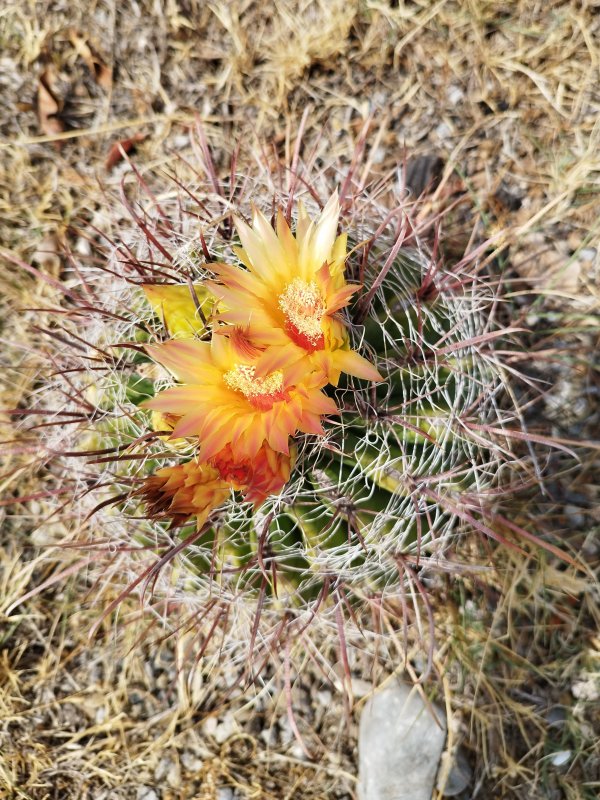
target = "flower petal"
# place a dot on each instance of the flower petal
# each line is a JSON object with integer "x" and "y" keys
{"x": 341, "y": 297}
{"x": 175, "y": 305}
{"x": 325, "y": 232}
{"x": 354, "y": 364}
{"x": 187, "y": 359}
{"x": 275, "y": 358}
{"x": 178, "y": 400}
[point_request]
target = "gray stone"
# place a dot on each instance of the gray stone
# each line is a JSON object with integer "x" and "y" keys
{"x": 400, "y": 745}
{"x": 361, "y": 688}
{"x": 455, "y": 775}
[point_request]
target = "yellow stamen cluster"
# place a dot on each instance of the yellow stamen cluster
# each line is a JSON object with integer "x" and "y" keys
{"x": 242, "y": 378}
{"x": 304, "y": 308}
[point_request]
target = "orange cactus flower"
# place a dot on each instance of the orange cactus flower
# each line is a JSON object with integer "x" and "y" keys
{"x": 290, "y": 293}
{"x": 223, "y": 400}
{"x": 258, "y": 478}
{"x": 184, "y": 491}
{"x": 191, "y": 489}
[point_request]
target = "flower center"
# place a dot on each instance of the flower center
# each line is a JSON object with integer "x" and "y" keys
{"x": 262, "y": 393}
{"x": 303, "y": 306}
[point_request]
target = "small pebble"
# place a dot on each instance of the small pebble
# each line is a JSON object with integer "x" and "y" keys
{"x": 209, "y": 726}
{"x": 269, "y": 737}
{"x": 455, "y": 775}
{"x": 168, "y": 770}
{"x": 575, "y": 516}
{"x": 560, "y": 758}
{"x": 83, "y": 247}
{"x": 191, "y": 762}
{"x": 324, "y": 697}
{"x": 226, "y": 728}
{"x": 146, "y": 793}
{"x": 557, "y": 716}
{"x": 586, "y": 689}
{"x": 455, "y": 95}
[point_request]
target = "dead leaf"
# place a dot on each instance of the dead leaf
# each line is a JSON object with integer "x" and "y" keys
{"x": 115, "y": 154}
{"x": 101, "y": 72}
{"x": 49, "y": 105}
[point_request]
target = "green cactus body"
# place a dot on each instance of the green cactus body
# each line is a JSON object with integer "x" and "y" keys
{"x": 383, "y": 486}
{"x": 353, "y": 503}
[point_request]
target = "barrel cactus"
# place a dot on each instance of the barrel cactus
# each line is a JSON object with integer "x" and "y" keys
{"x": 283, "y": 396}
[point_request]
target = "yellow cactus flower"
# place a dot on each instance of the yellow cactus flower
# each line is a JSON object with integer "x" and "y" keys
{"x": 223, "y": 400}
{"x": 174, "y": 304}
{"x": 192, "y": 489}
{"x": 290, "y": 293}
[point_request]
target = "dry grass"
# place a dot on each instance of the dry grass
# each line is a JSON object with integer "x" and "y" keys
{"x": 506, "y": 93}
{"x": 104, "y": 723}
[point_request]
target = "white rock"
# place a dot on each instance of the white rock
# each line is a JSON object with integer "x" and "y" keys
{"x": 324, "y": 697}
{"x": 191, "y": 762}
{"x": 146, "y": 793}
{"x": 83, "y": 247}
{"x": 297, "y": 752}
{"x": 575, "y": 516}
{"x": 269, "y": 737}
{"x": 400, "y": 745}
{"x": 174, "y": 775}
{"x": 209, "y": 726}
{"x": 560, "y": 758}
{"x": 162, "y": 768}
{"x": 588, "y": 688}
{"x": 168, "y": 770}
{"x": 443, "y": 131}
{"x": 455, "y": 95}
{"x": 181, "y": 142}
{"x": 226, "y": 728}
